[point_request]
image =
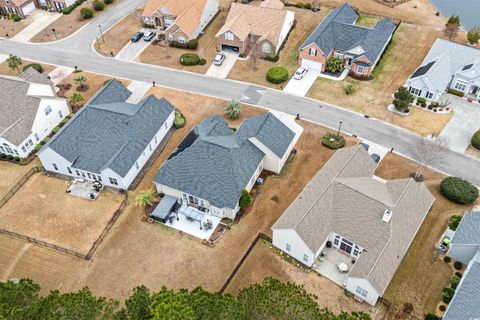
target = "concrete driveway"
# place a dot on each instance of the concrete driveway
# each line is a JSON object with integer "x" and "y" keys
{"x": 41, "y": 20}
{"x": 458, "y": 133}
{"x": 301, "y": 87}
{"x": 223, "y": 70}
{"x": 133, "y": 49}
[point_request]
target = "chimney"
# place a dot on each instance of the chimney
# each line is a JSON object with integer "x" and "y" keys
{"x": 387, "y": 215}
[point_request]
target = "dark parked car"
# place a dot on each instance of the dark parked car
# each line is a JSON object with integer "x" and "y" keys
{"x": 149, "y": 36}
{"x": 137, "y": 36}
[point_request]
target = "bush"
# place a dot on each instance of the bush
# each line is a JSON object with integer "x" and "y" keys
{"x": 307, "y": 6}
{"x": 333, "y": 141}
{"x": 86, "y": 13}
{"x": 98, "y": 6}
{"x": 79, "y": 2}
{"x": 447, "y": 294}
{"x": 459, "y": 274}
{"x": 55, "y": 130}
{"x": 192, "y": 44}
{"x": 179, "y": 121}
{"x": 442, "y": 308}
{"x": 16, "y": 18}
{"x": 299, "y": 4}
{"x": 245, "y": 199}
{"x": 334, "y": 65}
{"x": 35, "y": 66}
{"x": 458, "y": 190}
{"x": 349, "y": 88}
{"x": 454, "y": 222}
{"x": 403, "y": 99}
{"x": 456, "y": 92}
{"x": 108, "y": 1}
{"x": 473, "y": 36}
{"x": 476, "y": 140}
{"x": 454, "y": 281}
{"x": 431, "y": 316}
{"x": 69, "y": 9}
{"x": 46, "y": 140}
{"x": 271, "y": 58}
{"x": 421, "y": 101}
{"x": 447, "y": 259}
{"x": 37, "y": 148}
{"x": 277, "y": 75}
{"x": 457, "y": 265}
{"x": 191, "y": 59}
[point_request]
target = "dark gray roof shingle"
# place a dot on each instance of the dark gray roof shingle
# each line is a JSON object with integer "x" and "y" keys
{"x": 110, "y": 135}
{"x": 468, "y": 231}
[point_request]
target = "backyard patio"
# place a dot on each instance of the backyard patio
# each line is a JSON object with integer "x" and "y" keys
{"x": 84, "y": 189}
{"x": 330, "y": 264}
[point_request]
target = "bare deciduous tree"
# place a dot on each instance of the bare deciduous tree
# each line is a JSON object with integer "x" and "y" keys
{"x": 427, "y": 152}
{"x": 451, "y": 31}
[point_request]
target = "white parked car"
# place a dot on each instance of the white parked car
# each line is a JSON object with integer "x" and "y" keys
{"x": 300, "y": 73}
{"x": 219, "y": 58}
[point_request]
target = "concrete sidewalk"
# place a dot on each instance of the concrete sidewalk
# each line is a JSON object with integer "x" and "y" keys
{"x": 41, "y": 20}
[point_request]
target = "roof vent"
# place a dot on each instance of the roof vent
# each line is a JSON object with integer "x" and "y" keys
{"x": 387, "y": 215}
{"x": 126, "y": 122}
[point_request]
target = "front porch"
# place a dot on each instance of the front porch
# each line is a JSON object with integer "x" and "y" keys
{"x": 333, "y": 264}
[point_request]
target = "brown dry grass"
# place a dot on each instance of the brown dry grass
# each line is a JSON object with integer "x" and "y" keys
{"x": 401, "y": 58}
{"x": 264, "y": 261}
{"x": 473, "y": 152}
{"x": 67, "y": 24}
{"x": 9, "y": 28}
{"x": 170, "y": 57}
{"x": 118, "y": 36}
{"x": 306, "y": 22}
{"x": 11, "y": 173}
{"x": 4, "y": 69}
{"x": 420, "y": 277}
{"x": 43, "y": 210}
{"x": 94, "y": 82}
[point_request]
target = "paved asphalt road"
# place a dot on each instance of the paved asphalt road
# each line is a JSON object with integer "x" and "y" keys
{"x": 77, "y": 51}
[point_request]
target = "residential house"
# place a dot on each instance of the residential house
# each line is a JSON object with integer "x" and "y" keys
{"x": 29, "y": 110}
{"x": 360, "y": 48}
{"x": 465, "y": 247}
{"x": 213, "y": 165}
{"x": 23, "y": 7}
{"x": 448, "y": 65}
{"x": 109, "y": 139}
{"x": 351, "y": 226}
{"x": 182, "y": 20}
{"x": 264, "y": 27}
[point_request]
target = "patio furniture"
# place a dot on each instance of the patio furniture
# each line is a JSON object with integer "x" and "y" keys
{"x": 342, "y": 267}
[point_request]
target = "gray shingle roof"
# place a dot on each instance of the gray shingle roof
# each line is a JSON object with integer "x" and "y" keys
{"x": 219, "y": 163}
{"x": 468, "y": 231}
{"x": 32, "y": 75}
{"x": 466, "y": 302}
{"x": 337, "y": 31}
{"x": 344, "y": 198}
{"x": 270, "y": 131}
{"x": 109, "y": 133}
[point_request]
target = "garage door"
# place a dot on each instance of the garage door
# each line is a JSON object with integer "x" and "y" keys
{"x": 229, "y": 48}
{"x": 311, "y": 64}
{"x": 28, "y": 8}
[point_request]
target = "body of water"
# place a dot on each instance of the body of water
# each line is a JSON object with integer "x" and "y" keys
{"x": 468, "y": 10}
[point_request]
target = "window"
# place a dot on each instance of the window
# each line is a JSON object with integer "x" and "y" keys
{"x": 229, "y": 36}
{"x": 461, "y": 85}
{"x": 193, "y": 200}
{"x": 429, "y": 95}
{"x": 361, "y": 69}
{"x": 336, "y": 241}
{"x": 94, "y": 177}
{"x": 113, "y": 181}
{"x": 69, "y": 170}
{"x": 99, "y": 177}
{"x": 16, "y": 152}
{"x": 181, "y": 39}
{"x": 2, "y": 149}
{"x": 55, "y": 166}
{"x": 60, "y": 114}
{"x": 305, "y": 258}
{"x": 289, "y": 247}
{"x": 89, "y": 175}
{"x": 77, "y": 172}
{"x": 356, "y": 251}
{"x": 83, "y": 174}
{"x": 23, "y": 149}
{"x": 338, "y": 55}
{"x": 48, "y": 110}
{"x": 266, "y": 47}
{"x": 136, "y": 165}
{"x": 312, "y": 52}
{"x": 36, "y": 137}
{"x": 415, "y": 91}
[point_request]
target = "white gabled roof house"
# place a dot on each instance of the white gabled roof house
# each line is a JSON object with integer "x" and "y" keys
{"x": 448, "y": 65}
{"x": 29, "y": 110}
{"x": 352, "y": 226}
{"x": 109, "y": 140}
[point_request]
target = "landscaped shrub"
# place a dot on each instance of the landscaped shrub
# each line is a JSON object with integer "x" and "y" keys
{"x": 98, "y": 6}
{"x": 307, "y": 6}
{"x": 192, "y": 44}
{"x": 454, "y": 222}
{"x": 79, "y": 2}
{"x": 35, "y": 66}
{"x": 402, "y": 99}
{"x": 459, "y": 274}
{"x": 56, "y": 129}
{"x": 476, "y": 140}
{"x": 277, "y": 75}
{"x": 442, "y": 308}
{"x": 333, "y": 141}
{"x": 37, "y": 148}
{"x": 16, "y": 159}
{"x": 108, "y": 1}
{"x": 299, "y": 4}
{"x": 458, "y": 265}
{"x": 271, "y": 58}
{"x": 233, "y": 110}
{"x": 458, "y": 190}
{"x": 16, "y": 18}
{"x": 349, "y": 88}
{"x": 454, "y": 281}
{"x": 86, "y": 13}
{"x": 447, "y": 259}
{"x": 421, "y": 100}
{"x": 431, "y": 316}
{"x": 191, "y": 59}
{"x": 447, "y": 294}
{"x": 46, "y": 140}
{"x": 335, "y": 65}
{"x": 179, "y": 121}
{"x": 69, "y": 9}
{"x": 245, "y": 199}
{"x": 456, "y": 92}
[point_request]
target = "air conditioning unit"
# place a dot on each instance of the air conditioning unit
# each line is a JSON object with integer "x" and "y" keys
{"x": 387, "y": 215}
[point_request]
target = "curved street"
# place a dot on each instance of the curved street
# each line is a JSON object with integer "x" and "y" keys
{"x": 77, "y": 50}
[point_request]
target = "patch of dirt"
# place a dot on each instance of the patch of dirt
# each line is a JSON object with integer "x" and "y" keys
{"x": 10, "y": 28}
{"x": 4, "y": 69}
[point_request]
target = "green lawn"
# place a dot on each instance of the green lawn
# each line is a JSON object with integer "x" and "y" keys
{"x": 366, "y": 21}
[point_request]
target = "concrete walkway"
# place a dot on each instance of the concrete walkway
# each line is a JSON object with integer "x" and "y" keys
{"x": 3, "y": 57}
{"x": 138, "y": 89}
{"x": 59, "y": 73}
{"x": 340, "y": 78}
{"x": 41, "y": 20}
{"x": 301, "y": 87}
{"x": 458, "y": 133}
{"x": 133, "y": 49}
{"x": 223, "y": 70}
